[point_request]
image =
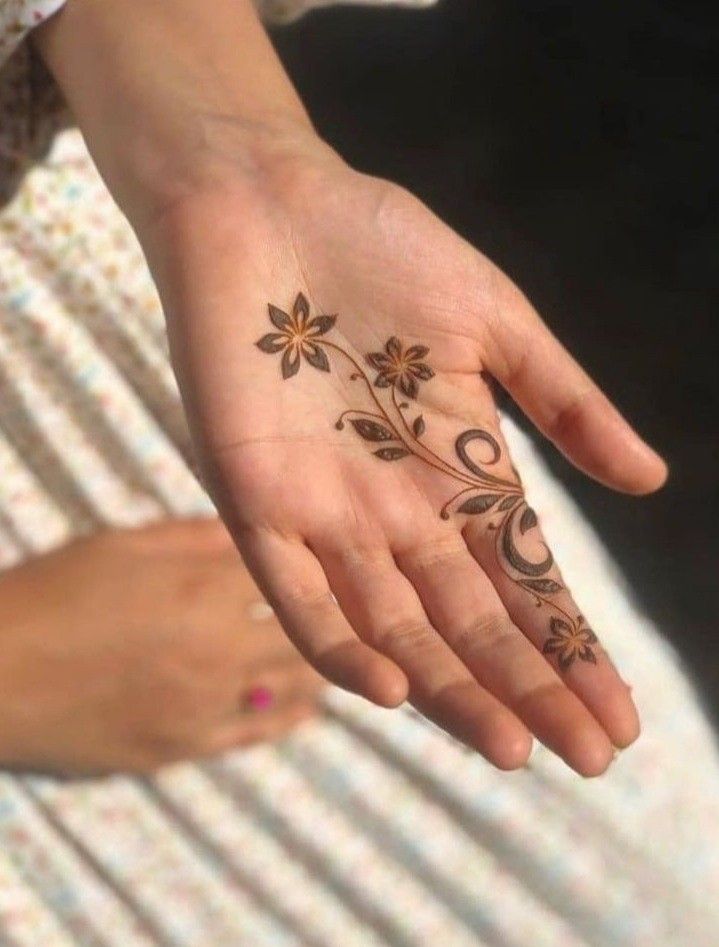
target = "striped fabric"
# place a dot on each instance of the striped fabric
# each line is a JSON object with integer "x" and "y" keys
{"x": 364, "y": 827}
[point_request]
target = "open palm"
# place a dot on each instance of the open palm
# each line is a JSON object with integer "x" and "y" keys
{"x": 334, "y": 344}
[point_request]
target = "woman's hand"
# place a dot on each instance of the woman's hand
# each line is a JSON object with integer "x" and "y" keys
{"x": 332, "y": 339}
{"x": 135, "y": 648}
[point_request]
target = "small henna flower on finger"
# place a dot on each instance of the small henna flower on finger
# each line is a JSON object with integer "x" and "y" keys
{"x": 569, "y": 642}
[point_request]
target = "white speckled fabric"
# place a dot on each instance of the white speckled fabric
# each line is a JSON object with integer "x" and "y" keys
{"x": 18, "y": 17}
{"x": 31, "y": 107}
{"x": 365, "y": 827}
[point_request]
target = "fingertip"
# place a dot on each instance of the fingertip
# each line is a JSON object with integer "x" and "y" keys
{"x": 599, "y": 440}
{"x": 594, "y": 755}
{"x": 619, "y": 718}
{"x": 646, "y": 471}
{"x": 357, "y": 668}
{"x": 513, "y": 751}
{"x": 389, "y": 686}
{"x": 627, "y": 731}
{"x": 501, "y": 738}
{"x": 627, "y": 471}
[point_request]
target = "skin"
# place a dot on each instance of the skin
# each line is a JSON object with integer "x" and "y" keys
{"x": 238, "y": 203}
{"x": 150, "y": 661}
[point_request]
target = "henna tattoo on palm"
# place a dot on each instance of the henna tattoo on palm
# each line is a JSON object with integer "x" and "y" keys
{"x": 396, "y": 435}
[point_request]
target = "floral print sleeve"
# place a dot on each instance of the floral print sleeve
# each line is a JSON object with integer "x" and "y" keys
{"x": 31, "y": 107}
{"x": 18, "y": 17}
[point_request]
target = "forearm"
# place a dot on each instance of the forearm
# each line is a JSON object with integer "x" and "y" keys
{"x": 162, "y": 89}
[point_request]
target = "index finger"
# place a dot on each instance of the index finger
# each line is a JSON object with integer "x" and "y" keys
{"x": 562, "y": 400}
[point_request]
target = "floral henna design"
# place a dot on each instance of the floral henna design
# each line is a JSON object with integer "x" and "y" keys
{"x": 296, "y": 337}
{"x": 401, "y": 368}
{"x": 388, "y": 426}
{"x": 570, "y": 641}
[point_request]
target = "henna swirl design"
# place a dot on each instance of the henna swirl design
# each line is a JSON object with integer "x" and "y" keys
{"x": 388, "y": 425}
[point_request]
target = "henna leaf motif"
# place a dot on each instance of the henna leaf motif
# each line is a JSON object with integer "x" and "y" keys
{"x": 508, "y": 502}
{"x": 545, "y": 586}
{"x": 478, "y": 504}
{"x": 419, "y": 426}
{"x": 372, "y": 430}
{"x": 391, "y": 453}
{"x": 527, "y": 520}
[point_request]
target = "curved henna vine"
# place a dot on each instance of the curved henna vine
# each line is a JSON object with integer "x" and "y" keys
{"x": 403, "y": 370}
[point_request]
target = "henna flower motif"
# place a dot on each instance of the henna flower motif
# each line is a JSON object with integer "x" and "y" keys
{"x": 296, "y": 336}
{"x": 569, "y": 642}
{"x": 401, "y": 368}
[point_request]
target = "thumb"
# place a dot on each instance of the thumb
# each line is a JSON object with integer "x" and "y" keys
{"x": 556, "y": 393}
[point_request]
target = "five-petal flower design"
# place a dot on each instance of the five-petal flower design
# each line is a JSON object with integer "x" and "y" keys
{"x": 401, "y": 368}
{"x": 295, "y": 337}
{"x": 569, "y": 642}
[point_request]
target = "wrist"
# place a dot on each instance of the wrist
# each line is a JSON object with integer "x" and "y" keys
{"x": 171, "y": 100}
{"x": 262, "y": 158}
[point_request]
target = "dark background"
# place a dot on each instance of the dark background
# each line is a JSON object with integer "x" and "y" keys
{"x": 576, "y": 145}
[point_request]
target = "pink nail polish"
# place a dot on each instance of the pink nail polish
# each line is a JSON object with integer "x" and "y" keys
{"x": 260, "y": 698}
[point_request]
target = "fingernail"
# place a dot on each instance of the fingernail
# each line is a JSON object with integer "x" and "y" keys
{"x": 260, "y": 698}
